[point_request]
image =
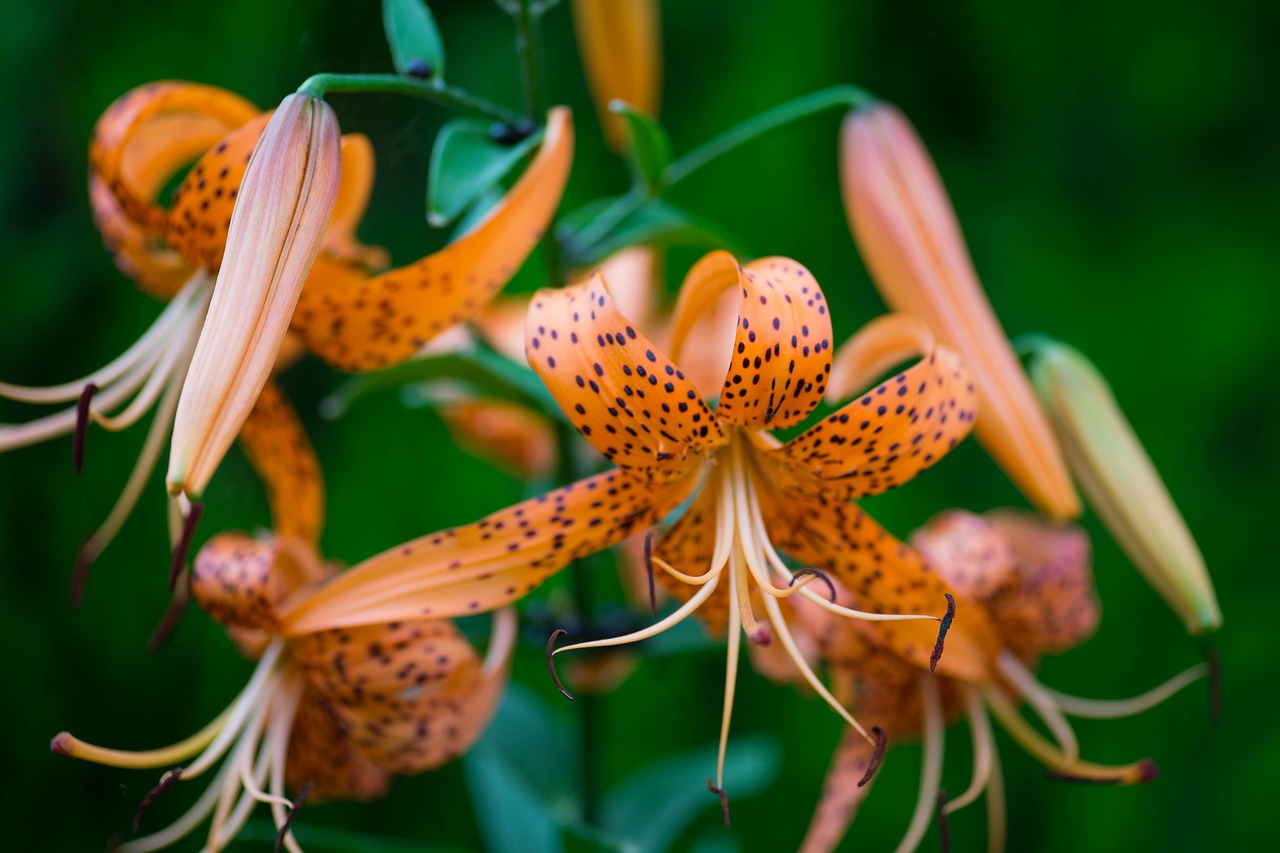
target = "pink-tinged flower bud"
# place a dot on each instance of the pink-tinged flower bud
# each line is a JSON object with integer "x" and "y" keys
{"x": 621, "y": 46}
{"x": 1122, "y": 484}
{"x": 907, "y": 233}
{"x": 283, "y": 207}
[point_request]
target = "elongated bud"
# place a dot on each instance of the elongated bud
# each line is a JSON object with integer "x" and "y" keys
{"x": 1122, "y": 484}
{"x": 907, "y": 233}
{"x": 621, "y": 46}
{"x": 284, "y": 204}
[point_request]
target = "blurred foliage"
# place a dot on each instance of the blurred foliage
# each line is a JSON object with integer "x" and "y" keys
{"x": 1115, "y": 169}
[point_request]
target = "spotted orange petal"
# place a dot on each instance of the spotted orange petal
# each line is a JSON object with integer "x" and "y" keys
{"x": 321, "y": 754}
{"x": 885, "y": 576}
{"x": 688, "y": 546}
{"x": 488, "y": 564}
{"x": 1055, "y": 607}
{"x": 969, "y": 553}
{"x": 838, "y": 804}
{"x": 782, "y": 347}
{"x": 513, "y": 437}
{"x": 156, "y": 269}
{"x": 408, "y": 695}
{"x": 357, "y": 323}
{"x": 242, "y": 582}
{"x": 890, "y": 434}
{"x": 150, "y": 132}
{"x": 621, "y": 47}
{"x": 340, "y": 239}
{"x": 277, "y": 446}
{"x": 625, "y": 397}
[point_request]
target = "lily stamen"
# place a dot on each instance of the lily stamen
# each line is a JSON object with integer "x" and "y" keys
{"x": 882, "y": 743}
{"x": 809, "y": 574}
{"x": 984, "y": 748}
{"x": 82, "y": 426}
{"x": 1106, "y": 709}
{"x": 931, "y": 764}
{"x": 1041, "y": 701}
{"x": 166, "y": 782}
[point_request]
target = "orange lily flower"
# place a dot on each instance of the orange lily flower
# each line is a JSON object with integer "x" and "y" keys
{"x": 907, "y": 233}
{"x": 621, "y": 46}
{"x": 331, "y": 713}
{"x": 743, "y": 488}
{"x": 1034, "y": 581}
{"x": 351, "y": 319}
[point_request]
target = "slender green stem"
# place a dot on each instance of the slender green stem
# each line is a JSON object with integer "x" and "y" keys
{"x": 319, "y": 84}
{"x": 527, "y": 47}
{"x": 835, "y": 97}
{"x": 784, "y": 114}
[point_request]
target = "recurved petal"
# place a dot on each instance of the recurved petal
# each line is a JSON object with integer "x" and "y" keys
{"x": 841, "y": 794}
{"x": 357, "y": 323}
{"x": 153, "y": 130}
{"x": 969, "y": 553}
{"x": 781, "y": 354}
{"x": 277, "y": 446}
{"x": 884, "y": 576}
{"x": 157, "y": 270}
{"x": 907, "y": 233}
{"x": 242, "y": 582}
{"x": 340, "y": 240}
{"x": 409, "y": 695}
{"x": 320, "y": 753}
{"x": 625, "y": 397}
{"x": 891, "y": 433}
{"x": 1055, "y": 607}
{"x": 483, "y": 566}
{"x": 688, "y": 546}
{"x": 516, "y": 439}
{"x": 621, "y": 47}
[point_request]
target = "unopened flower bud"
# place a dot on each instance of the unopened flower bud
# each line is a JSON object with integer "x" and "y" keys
{"x": 284, "y": 204}
{"x": 1122, "y": 484}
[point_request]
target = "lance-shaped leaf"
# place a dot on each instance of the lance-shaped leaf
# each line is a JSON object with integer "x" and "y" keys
{"x": 465, "y": 163}
{"x": 659, "y": 223}
{"x": 1122, "y": 484}
{"x": 648, "y": 145}
{"x": 415, "y": 42}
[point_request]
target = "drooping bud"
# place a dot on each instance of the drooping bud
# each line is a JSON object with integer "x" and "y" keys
{"x": 1122, "y": 484}
{"x": 284, "y": 204}
{"x": 907, "y": 233}
{"x": 621, "y": 46}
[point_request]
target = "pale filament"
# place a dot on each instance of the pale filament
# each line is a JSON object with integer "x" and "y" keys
{"x": 931, "y": 765}
{"x": 1106, "y": 709}
{"x": 502, "y": 638}
{"x": 171, "y": 367}
{"x": 997, "y": 817}
{"x": 1039, "y": 699}
{"x": 984, "y": 748}
{"x": 730, "y": 669}
{"x": 281, "y": 727}
{"x": 146, "y": 369}
{"x": 143, "y": 347}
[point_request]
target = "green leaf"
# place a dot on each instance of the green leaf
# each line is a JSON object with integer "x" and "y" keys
{"x": 659, "y": 223}
{"x": 654, "y": 805}
{"x": 465, "y": 163}
{"x": 648, "y": 145}
{"x": 484, "y": 371}
{"x": 413, "y": 37}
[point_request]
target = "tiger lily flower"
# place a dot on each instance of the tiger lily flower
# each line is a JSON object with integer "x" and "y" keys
{"x": 348, "y": 314}
{"x": 621, "y": 46}
{"x": 739, "y": 488}
{"x": 1122, "y": 483}
{"x": 907, "y": 233}
{"x": 331, "y": 713}
{"x": 1032, "y": 578}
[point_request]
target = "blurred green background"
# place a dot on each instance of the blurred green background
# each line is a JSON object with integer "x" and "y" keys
{"x": 1115, "y": 167}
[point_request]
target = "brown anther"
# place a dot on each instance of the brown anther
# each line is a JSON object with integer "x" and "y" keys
{"x": 80, "y": 573}
{"x": 1210, "y": 653}
{"x": 943, "y": 627}
{"x": 288, "y": 820}
{"x": 882, "y": 741}
{"x": 82, "y": 426}
{"x": 648, "y": 565}
{"x": 831, "y": 588}
{"x": 180, "y": 550}
{"x": 551, "y": 661}
{"x": 724, "y": 800}
{"x": 172, "y": 616}
{"x": 166, "y": 782}
{"x": 944, "y": 827}
{"x": 60, "y": 744}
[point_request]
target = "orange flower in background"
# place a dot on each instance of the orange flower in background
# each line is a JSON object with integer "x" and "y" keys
{"x": 1034, "y": 581}
{"x": 907, "y": 233}
{"x": 350, "y": 318}
{"x": 742, "y": 489}
{"x": 328, "y": 714}
{"x": 621, "y": 46}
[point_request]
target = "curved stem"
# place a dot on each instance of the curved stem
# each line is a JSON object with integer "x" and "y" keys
{"x": 318, "y": 85}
